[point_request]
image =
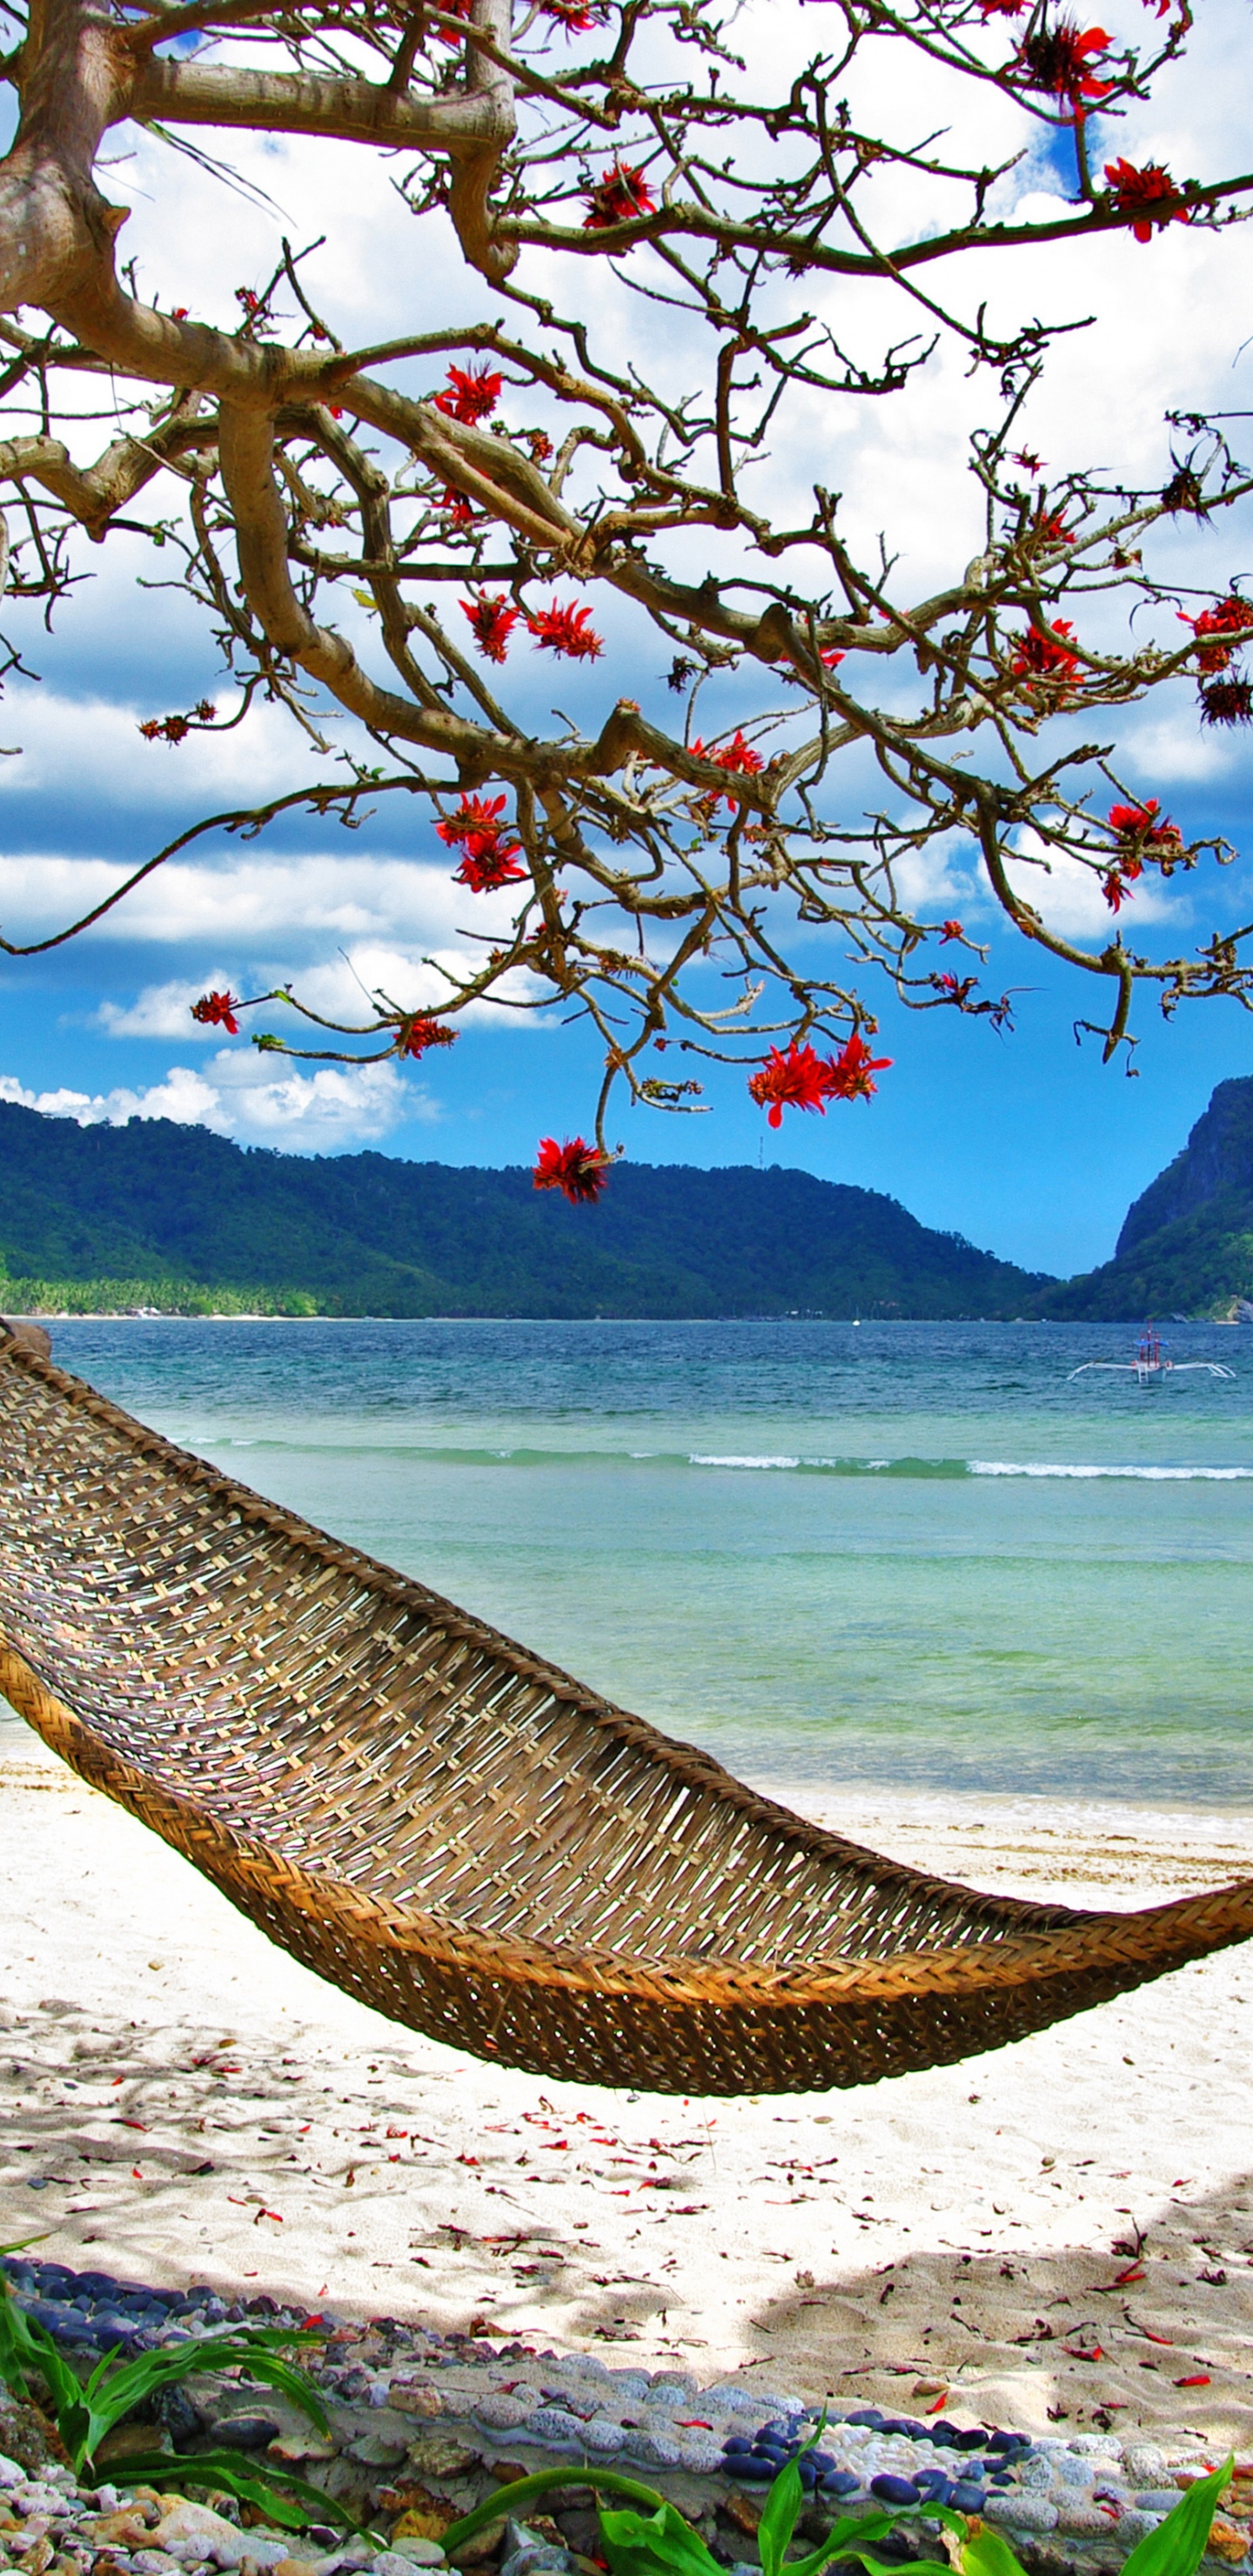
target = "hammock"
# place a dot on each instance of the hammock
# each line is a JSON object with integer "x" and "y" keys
{"x": 461, "y": 1836}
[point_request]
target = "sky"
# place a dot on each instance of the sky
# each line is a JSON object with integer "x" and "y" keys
{"x": 1022, "y": 1141}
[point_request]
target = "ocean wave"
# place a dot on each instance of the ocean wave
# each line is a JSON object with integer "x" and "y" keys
{"x": 1137, "y": 1475}
{"x": 1073, "y": 1471}
{"x": 906, "y": 1469}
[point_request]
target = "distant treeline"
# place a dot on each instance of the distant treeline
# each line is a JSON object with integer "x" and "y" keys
{"x": 107, "y": 1219}
{"x": 152, "y": 1214}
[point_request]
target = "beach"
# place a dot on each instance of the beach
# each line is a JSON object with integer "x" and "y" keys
{"x": 1055, "y": 2236}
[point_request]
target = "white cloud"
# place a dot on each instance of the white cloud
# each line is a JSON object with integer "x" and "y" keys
{"x": 91, "y": 746}
{"x": 162, "y": 1010}
{"x": 292, "y": 905}
{"x": 321, "y": 1113}
{"x": 1069, "y": 899}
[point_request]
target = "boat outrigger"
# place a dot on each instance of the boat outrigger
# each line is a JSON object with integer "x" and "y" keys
{"x": 1151, "y": 1362}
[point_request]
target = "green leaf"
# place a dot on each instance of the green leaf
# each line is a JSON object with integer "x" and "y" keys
{"x": 26, "y": 2352}
{"x": 1177, "y": 2546}
{"x": 637, "y": 2544}
{"x": 778, "y": 2521}
{"x": 523, "y": 2491}
{"x": 114, "y": 2390}
{"x": 290, "y": 2502}
{"x": 984, "y": 2553}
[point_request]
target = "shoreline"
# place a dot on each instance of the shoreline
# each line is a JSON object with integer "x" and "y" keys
{"x": 1047, "y": 2233}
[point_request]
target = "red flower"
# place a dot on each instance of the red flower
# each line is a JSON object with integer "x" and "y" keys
{"x": 1056, "y": 59}
{"x": 852, "y": 1069}
{"x": 251, "y": 303}
{"x": 493, "y": 621}
{"x": 217, "y": 1011}
{"x": 734, "y": 755}
{"x": 1138, "y": 823}
{"x": 471, "y": 393}
{"x": 416, "y": 1035}
{"x": 831, "y": 660}
{"x": 477, "y": 818}
{"x": 1150, "y": 192}
{"x": 801, "y": 1079}
{"x": 950, "y": 930}
{"x": 458, "y": 508}
{"x": 566, "y": 630}
{"x": 1001, "y": 9}
{"x": 576, "y": 16}
{"x": 1230, "y": 616}
{"x": 617, "y": 199}
{"x": 483, "y": 871}
{"x": 179, "y": 313}
{"x": 1044, "y": 654}
{"x": 1029, "y": 461}
{"x": 579, "y": 1171}
{"x": 490, "y": 856}
{"x": 1048, "y": 528}
{"x": 958, "y": 988}
{"x": 1227, "y": 702}
{"x": 1116, "y": 887}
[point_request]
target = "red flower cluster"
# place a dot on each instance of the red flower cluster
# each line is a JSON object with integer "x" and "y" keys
{"x": 217, "y": 1011}
{"x": 458, "y": 509}
{"x": 803, "y": 1079}
{"x": 734, "y": 755}
{"x": 950, "y": 930}
{"x": 177, "y": 728}
{"x": 579, "y": 1171}
{"x": 1139, "y": 824}
{"x": 1231, "y": 616}
{"x": 1150, "y": 193}
{"x": 421, "y": 1032}
{"x": 958, "y": 987}
{"x": 852, "y": 1069}
{"x": 617, "y": 199}
{"x": 493, "y": 620}
{"x": 251, "y": 303}
{"x": 577, "y": 16}
{"x": 566, "y": 630}
{"x": 490, "y": 857}
{"x": 1044, "y": 655}
{"x": 470, "y": 394}
{"x": 1056, "y": 59}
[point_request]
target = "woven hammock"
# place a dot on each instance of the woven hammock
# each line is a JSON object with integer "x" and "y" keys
{"x": 460, "y": 1835}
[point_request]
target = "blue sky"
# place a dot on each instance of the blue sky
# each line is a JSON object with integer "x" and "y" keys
{"x": 1023, "y": 1142}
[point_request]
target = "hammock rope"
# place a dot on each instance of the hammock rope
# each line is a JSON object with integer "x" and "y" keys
{"x": 458, "y": 1834}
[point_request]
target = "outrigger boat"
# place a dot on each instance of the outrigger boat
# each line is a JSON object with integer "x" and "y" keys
{"x": 1151, "y": 1362}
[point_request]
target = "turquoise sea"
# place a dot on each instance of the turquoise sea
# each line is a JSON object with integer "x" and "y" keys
{"x": 909, "y": 1554}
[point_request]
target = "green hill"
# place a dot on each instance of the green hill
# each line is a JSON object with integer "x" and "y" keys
{"x": 105, "y": 1218}
{"x": 1186, "y": 1245}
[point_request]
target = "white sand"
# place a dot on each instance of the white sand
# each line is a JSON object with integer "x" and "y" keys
{"x": 195, "y": 2105}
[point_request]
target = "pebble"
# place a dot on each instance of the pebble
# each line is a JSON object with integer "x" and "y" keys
{"x": 1022, "y": 2512}
{"x": 1089, "y": 2488}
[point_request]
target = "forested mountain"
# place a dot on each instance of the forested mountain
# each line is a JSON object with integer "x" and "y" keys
{"x": 1186, "y": 1245}
{"x": 157, "y": 1214}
